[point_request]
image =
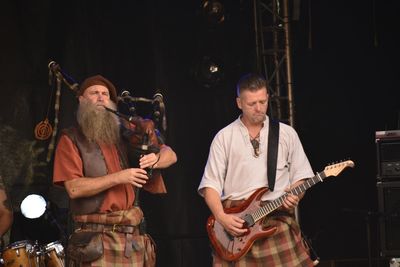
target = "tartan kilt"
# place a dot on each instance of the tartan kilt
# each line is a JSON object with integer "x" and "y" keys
{"x": 143, "y": 255}
{"x": 285, "y": 248}
{"x": 114, "y": 243}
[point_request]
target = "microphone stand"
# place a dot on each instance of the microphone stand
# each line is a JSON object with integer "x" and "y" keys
{"x": 367, "y": 216}
{"x": 53, "y": 221}
{"x": 368, "y": 229}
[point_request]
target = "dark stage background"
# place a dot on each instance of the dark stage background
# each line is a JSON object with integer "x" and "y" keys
{"x": 345, "y": 88}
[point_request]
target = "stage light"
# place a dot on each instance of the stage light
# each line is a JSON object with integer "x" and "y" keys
{"x": 209, "y": 72}
{"x": 213, "y": 11}
{"x": 33, "y": 206}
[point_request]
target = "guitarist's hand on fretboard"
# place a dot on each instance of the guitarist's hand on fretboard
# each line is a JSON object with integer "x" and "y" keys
{"x": 232, "y": 224}
{"x": 290, "y": 202}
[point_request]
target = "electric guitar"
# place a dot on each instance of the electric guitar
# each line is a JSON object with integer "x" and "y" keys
{"x": 232, "y": 248}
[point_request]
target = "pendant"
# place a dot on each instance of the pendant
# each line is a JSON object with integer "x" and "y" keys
{"x": 43, "y": 130}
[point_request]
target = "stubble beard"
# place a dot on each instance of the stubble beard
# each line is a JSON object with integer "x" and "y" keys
{"x": 97, "y": 124}
{"x": 257, "y": 119}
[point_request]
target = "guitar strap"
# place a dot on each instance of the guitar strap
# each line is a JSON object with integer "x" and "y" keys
{"x": 272, "y": 156}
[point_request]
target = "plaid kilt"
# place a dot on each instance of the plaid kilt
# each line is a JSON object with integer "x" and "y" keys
{"x": 114, "y": 243}
{"x": 143, "y": 254}
{"x": 284, "y": 248}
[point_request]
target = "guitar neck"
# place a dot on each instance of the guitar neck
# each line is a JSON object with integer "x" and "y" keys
{"x": 275, "y": 204}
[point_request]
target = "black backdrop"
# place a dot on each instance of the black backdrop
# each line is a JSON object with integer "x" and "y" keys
{"x": 345, "y": 88}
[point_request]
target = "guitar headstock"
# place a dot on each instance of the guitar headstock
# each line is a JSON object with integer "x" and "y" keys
{"x": 336, "y": 169}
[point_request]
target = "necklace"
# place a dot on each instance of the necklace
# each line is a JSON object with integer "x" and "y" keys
{"x": 255, "y": 142}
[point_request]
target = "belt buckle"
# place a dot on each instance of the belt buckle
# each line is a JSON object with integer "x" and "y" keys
{"x": 114, "y": 228}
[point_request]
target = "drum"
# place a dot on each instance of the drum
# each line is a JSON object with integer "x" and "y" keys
{"x": 20, "y": 254}
{"x": 53, "y": 255}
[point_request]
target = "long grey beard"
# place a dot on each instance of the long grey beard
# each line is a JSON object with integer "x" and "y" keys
{"x": 97, "y": 124}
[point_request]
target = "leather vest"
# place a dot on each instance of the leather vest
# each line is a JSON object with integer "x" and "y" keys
{"x": 94, "y": 165}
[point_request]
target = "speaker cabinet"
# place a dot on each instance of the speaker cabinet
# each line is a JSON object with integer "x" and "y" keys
{"x": 388, "y": 155}
{"x": 389, "y": 219}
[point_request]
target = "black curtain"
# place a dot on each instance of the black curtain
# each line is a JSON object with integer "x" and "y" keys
{"x": 345, "y": 90}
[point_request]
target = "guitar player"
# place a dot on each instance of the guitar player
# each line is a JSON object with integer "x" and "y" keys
{"x": 237, "y": 167}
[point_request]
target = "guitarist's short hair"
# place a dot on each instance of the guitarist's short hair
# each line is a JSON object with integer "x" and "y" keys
{"x": 250, "y": 82}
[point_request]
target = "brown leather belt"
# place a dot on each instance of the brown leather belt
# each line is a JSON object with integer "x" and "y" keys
{"x": 98, "y": 227}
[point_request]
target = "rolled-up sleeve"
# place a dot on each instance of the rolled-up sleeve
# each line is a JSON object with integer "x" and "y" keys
{"x": 67, "y": 161}
{"x": 215, "y": 170}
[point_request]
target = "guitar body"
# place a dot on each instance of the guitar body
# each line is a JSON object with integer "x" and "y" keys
{"x": 232, "y": 248}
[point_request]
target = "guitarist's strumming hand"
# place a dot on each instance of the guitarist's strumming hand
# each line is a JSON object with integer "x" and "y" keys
{"x": 232, "y": 224}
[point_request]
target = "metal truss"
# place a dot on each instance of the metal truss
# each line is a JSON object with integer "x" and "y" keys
{"x": 273, "y": 54}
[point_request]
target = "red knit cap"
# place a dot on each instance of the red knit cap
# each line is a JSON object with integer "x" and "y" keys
{"x": 98, "y": 80}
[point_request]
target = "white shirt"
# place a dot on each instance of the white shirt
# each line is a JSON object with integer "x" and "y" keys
{"x": 234, "y": 172}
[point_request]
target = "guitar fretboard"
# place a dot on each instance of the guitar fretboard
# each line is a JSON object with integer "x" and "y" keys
{"x": 273, "y": 205}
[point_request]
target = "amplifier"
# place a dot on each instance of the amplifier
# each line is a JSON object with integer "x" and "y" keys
{"x": 389, "y": 219}
{"x": 390, "y": 168}
{"x": 388, "y": 154}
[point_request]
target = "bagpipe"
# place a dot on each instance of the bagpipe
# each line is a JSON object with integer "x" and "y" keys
{"x": 143, "y": 133}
